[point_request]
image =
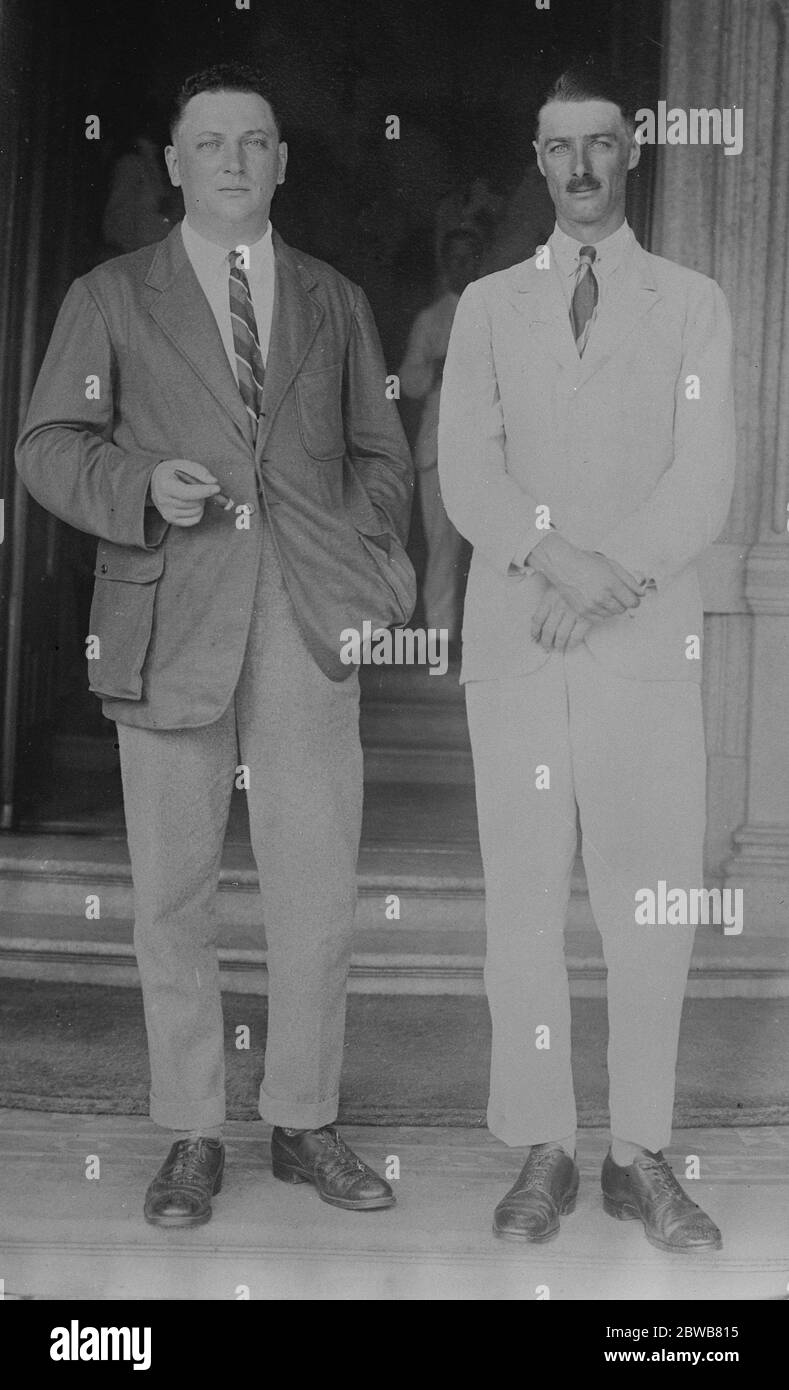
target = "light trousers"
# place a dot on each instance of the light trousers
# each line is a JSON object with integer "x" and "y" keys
{"x": 297, "y": 733}
{"x": 630, "y": 756}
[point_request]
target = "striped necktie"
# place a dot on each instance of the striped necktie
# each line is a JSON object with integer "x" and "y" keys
{"x": 584, "y": 297}
{"x": 246, "y": 343}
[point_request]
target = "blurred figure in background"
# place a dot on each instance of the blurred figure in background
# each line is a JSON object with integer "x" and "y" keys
{"x": 141, "y": 207}
{"x": 420, "y": 378}
{"x": 474, "y": 205}
{"x": 525, "y": 221}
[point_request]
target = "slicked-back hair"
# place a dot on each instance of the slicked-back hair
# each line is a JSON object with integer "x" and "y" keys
{"x": 589, "y": 80}
{"x": 223, "y": 77}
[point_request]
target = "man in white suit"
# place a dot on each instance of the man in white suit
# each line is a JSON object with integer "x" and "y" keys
{"x": 586, "y": 449}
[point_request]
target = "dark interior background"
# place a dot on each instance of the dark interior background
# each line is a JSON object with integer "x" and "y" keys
{"x": 463, "y": 78}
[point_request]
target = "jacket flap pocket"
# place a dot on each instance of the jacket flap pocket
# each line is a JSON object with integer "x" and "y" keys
{"x": 128, "y": 562}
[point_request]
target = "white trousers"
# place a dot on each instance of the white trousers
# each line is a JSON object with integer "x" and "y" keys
{"x": 630, "y": 756}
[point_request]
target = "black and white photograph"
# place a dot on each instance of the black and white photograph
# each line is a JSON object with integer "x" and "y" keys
{"x": 394, "y": 649}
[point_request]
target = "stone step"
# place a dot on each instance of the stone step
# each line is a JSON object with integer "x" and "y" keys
{"x": 386, "y": 960}
{"x": 438, "y": 888}
{"x": 420, "y": 766}
{"x": 427, "y": 726}
{"x": 434, "y": 946}
{"x": 435, "y": 943}
{"x": 415, "y": 733}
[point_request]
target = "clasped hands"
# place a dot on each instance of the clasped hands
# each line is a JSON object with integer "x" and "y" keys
{"x": 583, "y": 588}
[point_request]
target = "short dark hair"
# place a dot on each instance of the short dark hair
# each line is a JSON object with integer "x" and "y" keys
{"x": 588, "y": 79}
{"x": 223, "y": 77}
{"x": 469, "y": 234}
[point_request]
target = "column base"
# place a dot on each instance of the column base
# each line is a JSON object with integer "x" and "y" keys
{"x": 760, "y": 867}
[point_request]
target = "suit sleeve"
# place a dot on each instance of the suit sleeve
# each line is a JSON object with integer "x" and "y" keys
{"x": 481, "y": 497}
{"x": 687, "y": 509}
{"x": 65, "y": 453}
{"x": 374, "y": 436}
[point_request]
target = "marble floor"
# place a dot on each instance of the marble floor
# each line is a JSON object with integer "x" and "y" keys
{"x": 69, "y": 1235}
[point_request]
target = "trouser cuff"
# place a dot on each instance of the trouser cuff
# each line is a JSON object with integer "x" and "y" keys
{"x": 177, "y": 1113}
{"x": 294, "y": 1114}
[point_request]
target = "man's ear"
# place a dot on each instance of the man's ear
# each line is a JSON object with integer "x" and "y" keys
{"x": 536, "y": 145}
{"x": 171, "y": 160}
{"x": 282, "y": 153}
{"x": 634, "y": 154}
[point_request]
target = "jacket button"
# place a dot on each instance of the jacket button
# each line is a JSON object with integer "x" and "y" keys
{"x": 104, "y": 569}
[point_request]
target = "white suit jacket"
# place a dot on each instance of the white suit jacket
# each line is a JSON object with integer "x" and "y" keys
{"x": 631, "y": 448}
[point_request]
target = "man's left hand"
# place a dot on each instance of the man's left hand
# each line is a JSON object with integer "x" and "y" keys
{"x": 555, "y": 625}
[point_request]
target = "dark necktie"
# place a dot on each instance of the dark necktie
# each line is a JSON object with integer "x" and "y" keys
{"x": 584, "y": 297}
{"x": 249, "y": 361}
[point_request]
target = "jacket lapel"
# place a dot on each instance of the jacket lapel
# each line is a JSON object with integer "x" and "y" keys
{"x": 296, "y": 318}
{"x": 538, "y": 296}
{"x": 630, "y": 293}
{"x": 184, "y": 315}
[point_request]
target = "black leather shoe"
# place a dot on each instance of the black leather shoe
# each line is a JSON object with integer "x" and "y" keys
{"x": 545, "y": 1190}
{"x": 647, "y": 1191}
{"x": 321, "y": 1157}
{"x": 181, "y": 1192}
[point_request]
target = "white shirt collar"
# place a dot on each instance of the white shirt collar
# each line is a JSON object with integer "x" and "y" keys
{"x": 213, "y": 259}
{"x": 609, "y": 251}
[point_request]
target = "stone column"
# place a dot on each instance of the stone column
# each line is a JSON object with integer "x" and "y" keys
{"x": 728, "y": 216}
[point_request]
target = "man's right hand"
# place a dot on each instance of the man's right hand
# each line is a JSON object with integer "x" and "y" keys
{"x": 555, "y": 625}
{"x": 180, "y": 503}
{"x": 593, "y": 586}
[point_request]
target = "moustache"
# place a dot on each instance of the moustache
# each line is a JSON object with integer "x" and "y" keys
{"x": 582, "y": 187}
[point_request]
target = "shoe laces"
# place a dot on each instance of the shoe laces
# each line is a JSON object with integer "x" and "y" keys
{"x": 337, "y": 1150}
{"x": 537, "y": 1166}
{"x": 188, "y": 1162}
{"x": 665, "y": 1180}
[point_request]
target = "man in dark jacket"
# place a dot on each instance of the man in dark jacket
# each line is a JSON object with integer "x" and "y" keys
{"x": 214, "y": 408}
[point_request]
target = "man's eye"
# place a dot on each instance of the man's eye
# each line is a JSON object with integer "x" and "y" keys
{"x": 558, "y": 149}
{"x": 208, "y": 144}
{"x": 606, "y": 144}
{"x": 257, "y": 141}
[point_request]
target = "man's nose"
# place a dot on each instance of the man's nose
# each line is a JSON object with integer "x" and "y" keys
{"x": 234, "y": 158}
{"x": 582, "y": 164}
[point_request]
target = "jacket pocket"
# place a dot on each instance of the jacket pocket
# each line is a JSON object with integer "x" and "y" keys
{"x": 121, "y": 618}
{"x": 319, "y": 410}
